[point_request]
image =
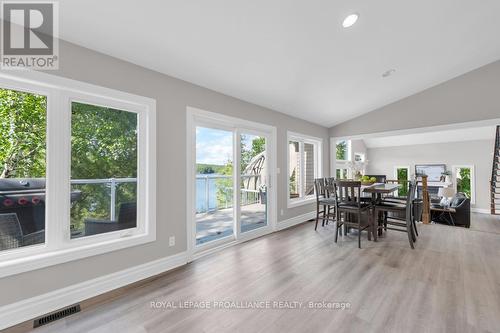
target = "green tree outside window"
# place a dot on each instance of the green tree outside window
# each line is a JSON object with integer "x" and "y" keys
{"x": 341, "y": 152}
{"x": 464, "y": 181}
{"x": 402, "y": 174}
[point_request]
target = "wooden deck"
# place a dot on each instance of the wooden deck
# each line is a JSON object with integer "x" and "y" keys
{"x": 218, "y": 224}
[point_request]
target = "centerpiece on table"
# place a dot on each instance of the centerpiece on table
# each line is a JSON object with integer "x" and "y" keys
{"x": 365, "y": 180}
{"x": 357, "y": 168}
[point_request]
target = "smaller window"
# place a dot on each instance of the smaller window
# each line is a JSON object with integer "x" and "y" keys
{"x": 465, "y": 180}
{"x": 402, "y": 175}
{"x": 342, "y": 173}
{"x": 304, "y": 165}
{"x": 359, "y": 157}
{"x": 343, "y": 148}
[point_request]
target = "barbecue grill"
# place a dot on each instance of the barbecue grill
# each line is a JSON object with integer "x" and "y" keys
{"x": 25, "y": 197}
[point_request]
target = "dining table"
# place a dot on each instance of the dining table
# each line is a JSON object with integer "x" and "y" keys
{"x": 377, "y": 190}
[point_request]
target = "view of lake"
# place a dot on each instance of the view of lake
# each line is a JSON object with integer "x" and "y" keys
{"x": 202, "y": 204}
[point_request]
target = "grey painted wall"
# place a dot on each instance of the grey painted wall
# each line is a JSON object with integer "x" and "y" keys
{"x": 172, "y": 96}
{"x": 470, "y": 97}
{"x": 357, "y": 146}
{"x": 477, "y": 153}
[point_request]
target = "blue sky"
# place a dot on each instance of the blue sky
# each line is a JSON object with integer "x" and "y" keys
{"x": 214, "y": 146}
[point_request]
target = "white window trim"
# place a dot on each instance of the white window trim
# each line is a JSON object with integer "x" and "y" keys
{"x": 58, "y": 247}
{"x": 318, "y": 166}
{"x": 472, "y": 180}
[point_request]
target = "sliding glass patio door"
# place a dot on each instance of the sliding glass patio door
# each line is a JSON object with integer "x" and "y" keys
{"x": 253, "y": 181}
{"x": 232, "y": 189}
{"x": 214, "y": 184}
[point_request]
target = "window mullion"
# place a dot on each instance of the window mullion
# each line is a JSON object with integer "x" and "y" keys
{"x": 302, "y": 169}
{"x": 58, "y": 143}
{"x": 237, "y": 182}
{"x": 315, "y": 161}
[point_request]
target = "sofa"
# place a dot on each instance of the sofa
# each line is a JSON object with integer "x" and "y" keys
{"x": 461, "y": 217}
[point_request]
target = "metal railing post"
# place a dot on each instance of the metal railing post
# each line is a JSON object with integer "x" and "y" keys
{"x": 207, "y": 194}
{"x": 113, "y": 199}
{"x": 113, "y": 183}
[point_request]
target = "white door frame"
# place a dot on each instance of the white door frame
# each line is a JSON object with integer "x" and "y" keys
{"x": 197, "y": 117}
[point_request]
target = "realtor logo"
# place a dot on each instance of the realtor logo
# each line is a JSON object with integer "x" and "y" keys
{"x": 29, "y": 35}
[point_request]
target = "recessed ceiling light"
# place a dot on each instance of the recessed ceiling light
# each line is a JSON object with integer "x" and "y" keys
{"x": 388, "y": 72}
{"x": 350, "y": 20}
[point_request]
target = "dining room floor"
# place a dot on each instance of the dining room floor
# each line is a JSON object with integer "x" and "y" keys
{"x": 449, "y": 283}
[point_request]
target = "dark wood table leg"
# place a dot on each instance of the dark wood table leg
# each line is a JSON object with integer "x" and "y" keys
{"x": 374, "y": 218}
{"x": 379, "y": 230}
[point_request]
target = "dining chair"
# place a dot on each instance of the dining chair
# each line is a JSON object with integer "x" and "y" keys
{"x": 396, "y": 221}
{"x": 324, "y": 203}
{"x": 350, "y": 209}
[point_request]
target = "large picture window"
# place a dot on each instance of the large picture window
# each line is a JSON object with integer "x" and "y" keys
{"x": 304, "y": 165}
{"x": 103, "y": 169}
{"x": 77, "y": 171}
{"x": 23, "y": 125}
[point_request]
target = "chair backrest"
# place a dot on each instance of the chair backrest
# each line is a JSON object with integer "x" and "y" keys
{"x": 11, "y": 235}
{"x": 379, "y": 178}
{"x": 330, "y": 187}
{"x": 409, "y": 202}
{"x": 128, "y": 213}
{"x": 348, "y": 192}
{"x": 319, "y": 188}
{"x": 330, "y": 181}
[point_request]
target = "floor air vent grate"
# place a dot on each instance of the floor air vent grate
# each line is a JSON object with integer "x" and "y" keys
{"x": 56, "y": 315}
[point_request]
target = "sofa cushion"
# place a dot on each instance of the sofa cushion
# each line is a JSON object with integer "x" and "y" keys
{"x": 457, "y": 200}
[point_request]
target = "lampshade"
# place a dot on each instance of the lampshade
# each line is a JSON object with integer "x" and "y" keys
{"x": 446, "y": 192}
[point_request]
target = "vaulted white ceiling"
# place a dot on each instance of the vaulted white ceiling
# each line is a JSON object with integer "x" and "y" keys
{"x": 294, "y": 56}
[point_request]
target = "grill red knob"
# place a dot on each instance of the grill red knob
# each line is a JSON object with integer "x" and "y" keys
{"x": 22, "y": 201}
{"x": 35, "y": 200}
{"x": 8, "y": 202}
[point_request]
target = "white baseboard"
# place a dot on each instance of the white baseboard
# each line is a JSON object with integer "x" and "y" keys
{"x": 295, "y": 220}
{"x": 34, "y": 307}
{"x": 480, "y": 210}
{"x": 30, "y": 308}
